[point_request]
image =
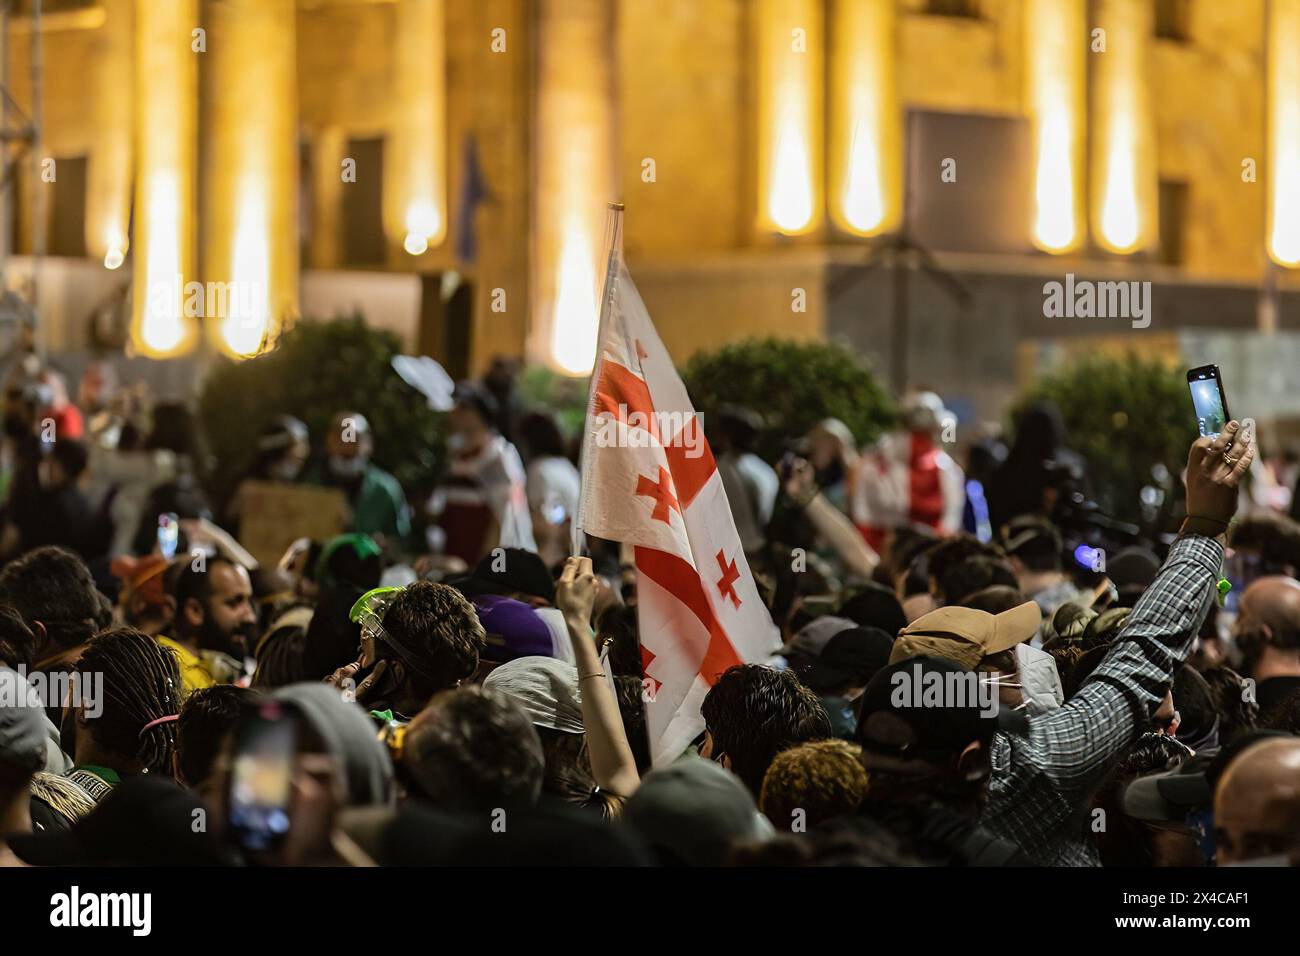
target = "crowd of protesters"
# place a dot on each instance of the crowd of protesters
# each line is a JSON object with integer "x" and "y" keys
{"x": 976, "y": 669}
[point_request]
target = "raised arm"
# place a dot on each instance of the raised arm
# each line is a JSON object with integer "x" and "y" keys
{"x": 831, "y": 523}
{"x": 1076, "y": 744}
{"x": 612, "y": 763}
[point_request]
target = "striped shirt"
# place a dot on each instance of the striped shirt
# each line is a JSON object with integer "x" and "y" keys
{"x": 1043, "y": 780}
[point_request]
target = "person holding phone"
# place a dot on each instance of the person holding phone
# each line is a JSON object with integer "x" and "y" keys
{"x": 415, "y": 642}
{"x": 1042, "y": 780}
{"x": 292, "y": 764}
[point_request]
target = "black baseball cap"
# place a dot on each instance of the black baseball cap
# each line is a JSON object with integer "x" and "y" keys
{"x": 1031, "y": 532}
{"x": 874, "y": 605}
{"x": 850, "y": 658}
{"x": 521, "y": 572}
{"x": 147, "y": 820}
{"x": 943, "y": 708}
{"x": 1134, "y": 567}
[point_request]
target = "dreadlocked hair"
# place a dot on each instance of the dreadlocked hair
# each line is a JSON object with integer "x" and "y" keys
{"x": 64, "y": 797}
{"x": 141, "y": 683}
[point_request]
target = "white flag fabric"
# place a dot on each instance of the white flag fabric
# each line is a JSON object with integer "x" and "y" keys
{"x": 649, "y": 480}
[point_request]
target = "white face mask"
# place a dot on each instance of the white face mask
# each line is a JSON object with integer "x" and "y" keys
{"x": 457, "y": 442}
{"x": 1041, "y": 683}
{"x": 348, "y": 467}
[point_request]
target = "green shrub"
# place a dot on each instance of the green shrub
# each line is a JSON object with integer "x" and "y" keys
{"x": 317, "y": 370}
{"x": 794, "y": 385}
{"x": 1125, "y": 416}
{"x": 544, "y": 389}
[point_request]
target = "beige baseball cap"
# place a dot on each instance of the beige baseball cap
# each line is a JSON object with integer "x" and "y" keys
{"x": 964, "y": 635}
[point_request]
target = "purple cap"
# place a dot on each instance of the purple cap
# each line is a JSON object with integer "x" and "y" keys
{"x": 514, "y": 629}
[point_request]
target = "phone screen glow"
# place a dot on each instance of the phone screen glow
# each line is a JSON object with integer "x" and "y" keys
{"x": 1207, "y": 400}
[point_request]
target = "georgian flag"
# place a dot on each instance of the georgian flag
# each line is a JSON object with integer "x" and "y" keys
{"x": 649, "y": 481}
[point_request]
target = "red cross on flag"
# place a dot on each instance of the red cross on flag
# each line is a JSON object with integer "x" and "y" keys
{"x": 649, "y": 480}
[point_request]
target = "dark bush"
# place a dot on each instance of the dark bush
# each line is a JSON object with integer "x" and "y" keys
{"x": 794, "y": 385}
{"x": 317, "y": 370}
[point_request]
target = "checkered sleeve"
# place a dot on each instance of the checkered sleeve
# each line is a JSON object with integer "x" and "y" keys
{"x": 1076, "y": 744}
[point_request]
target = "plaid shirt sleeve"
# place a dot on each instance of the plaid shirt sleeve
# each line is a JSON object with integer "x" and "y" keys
{"x": 1047, "y": 774}
{"x": 1075, "y": 744}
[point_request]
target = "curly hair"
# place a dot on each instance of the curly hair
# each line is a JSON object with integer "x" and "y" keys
{"x": 53, "y": 586}
{"x": 141, "y": 685}
{"x": 440, "y": 627}
{"x": 824, "y": 779}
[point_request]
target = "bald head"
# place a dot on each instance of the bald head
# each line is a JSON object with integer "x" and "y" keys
{"x": 1257, "y": 803}
{"x": 1271, "y": 606}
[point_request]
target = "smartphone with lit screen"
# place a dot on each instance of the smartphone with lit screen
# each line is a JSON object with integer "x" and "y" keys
{"x": 261, "y": 777}
{"x": 1208, "y": 400}
{"x": 169, "y": 534}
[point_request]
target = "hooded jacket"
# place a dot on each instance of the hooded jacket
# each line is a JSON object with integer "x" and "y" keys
{"x": 349, "y": 737}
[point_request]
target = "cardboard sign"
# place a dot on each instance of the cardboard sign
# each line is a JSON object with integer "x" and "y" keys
{"x": 272, "y": 515}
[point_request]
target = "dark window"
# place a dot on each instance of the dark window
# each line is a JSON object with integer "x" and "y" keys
{"x": 65, "y": 206}
{"x": 446, "y": 325}
{"x": 306, "y": 202}
{"x": 1174, "y": 20}
{"x": 966, "y": 176}
{"x": 67, "y": 222}
{"x": 1173, "y": 219}
{"x": 953, "y": 8}
{"x": 363, "y": 206}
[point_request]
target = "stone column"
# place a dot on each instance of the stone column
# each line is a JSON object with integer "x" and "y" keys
{"x": 1056, "y": 45}
{"x": 108, "y": 179}
{"x": 1125, "y": 187}
{"x": 250, "y": 152}
{"x": 866, "y": 123}
{"x": 575, "y": 175}
{"x": 415, "y": 180}
{"x": 789, "y": 43}
{"x": 1282, "y": 167}
{"x": 166, "y": 98}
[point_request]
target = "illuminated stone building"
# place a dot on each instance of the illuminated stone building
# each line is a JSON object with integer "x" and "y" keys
{"x": 904, "y": 175}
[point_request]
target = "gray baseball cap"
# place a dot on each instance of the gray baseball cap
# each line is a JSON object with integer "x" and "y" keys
{"x": 813, "y": 636}
{"x": 693, "y": 811}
